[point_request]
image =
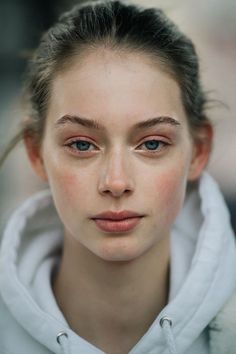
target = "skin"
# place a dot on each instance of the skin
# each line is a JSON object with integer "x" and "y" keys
{"x": 101, "y": 274}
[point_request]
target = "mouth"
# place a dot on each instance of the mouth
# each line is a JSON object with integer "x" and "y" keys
{"x": 117, "y": 215}
{"x": 117, "y": 226}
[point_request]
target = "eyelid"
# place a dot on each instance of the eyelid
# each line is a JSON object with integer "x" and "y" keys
{"x": 155, "y": 137}
{"x": 147, "y": 138}
{"x": 83, "y": 138}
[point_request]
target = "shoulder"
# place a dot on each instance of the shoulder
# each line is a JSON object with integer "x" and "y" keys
{"x": 222, "y": 329}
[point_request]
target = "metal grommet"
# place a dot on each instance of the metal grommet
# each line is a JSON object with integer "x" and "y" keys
{"x": 163, "y": 319}
{"x": 60, "y": 335}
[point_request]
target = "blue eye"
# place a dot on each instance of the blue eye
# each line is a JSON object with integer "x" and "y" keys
{"x": 154, "y": 145}
{"x": 80, "y": 145}
{"x": 83, "y": 146}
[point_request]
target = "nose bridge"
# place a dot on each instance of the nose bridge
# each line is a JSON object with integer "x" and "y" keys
{"x": 116, "y": 171}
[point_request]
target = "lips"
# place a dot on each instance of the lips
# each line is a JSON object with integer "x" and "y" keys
{"x": 114, "y": 226}
{"x": 121, "y": 221}
{"x": 120, "y": 215}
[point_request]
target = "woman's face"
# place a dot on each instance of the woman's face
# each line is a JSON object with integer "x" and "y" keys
{"x": 116, "y": 165}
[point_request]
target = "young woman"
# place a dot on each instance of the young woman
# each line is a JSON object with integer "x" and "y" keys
{"x": 130, "y": 250}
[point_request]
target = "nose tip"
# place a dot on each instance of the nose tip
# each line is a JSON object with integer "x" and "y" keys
{"x": 116, "y": 190}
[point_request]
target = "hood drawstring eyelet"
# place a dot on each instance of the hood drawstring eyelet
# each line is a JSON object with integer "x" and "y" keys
{"x": 62, "y": 340}
{"x": 166, "y": 325}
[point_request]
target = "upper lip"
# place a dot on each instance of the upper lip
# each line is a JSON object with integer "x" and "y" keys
{"x": 120, "y": 215}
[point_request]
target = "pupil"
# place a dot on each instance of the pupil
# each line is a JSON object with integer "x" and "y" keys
{"x": 152, "y": 144}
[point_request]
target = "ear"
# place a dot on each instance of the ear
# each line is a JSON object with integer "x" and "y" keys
{"x": 33, "y": 150}
{"x": 202, "y": 144}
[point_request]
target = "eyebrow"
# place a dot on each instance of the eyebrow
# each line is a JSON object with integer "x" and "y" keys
{"x": 93, "y": 124}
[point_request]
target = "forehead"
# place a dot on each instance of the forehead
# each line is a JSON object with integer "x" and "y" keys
{"x": 115, "y": 87}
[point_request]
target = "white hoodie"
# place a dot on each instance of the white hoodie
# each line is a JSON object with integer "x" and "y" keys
{"x": 202, "y": 278}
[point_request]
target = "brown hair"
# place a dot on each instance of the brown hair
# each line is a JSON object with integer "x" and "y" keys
{"x": 120, "y": 26}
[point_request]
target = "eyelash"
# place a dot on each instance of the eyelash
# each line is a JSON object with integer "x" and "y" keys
{"x": 69, "y": 146}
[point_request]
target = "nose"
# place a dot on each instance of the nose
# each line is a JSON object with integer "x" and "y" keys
{"x": 115, "y": 175}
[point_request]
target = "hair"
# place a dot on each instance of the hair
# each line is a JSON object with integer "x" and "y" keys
{"x": 119, "y": 26}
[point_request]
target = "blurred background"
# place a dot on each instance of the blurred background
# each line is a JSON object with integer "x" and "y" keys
{"x": 211, "y": 24}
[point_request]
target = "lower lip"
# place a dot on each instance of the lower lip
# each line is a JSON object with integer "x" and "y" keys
{"x": 117, "y": 225}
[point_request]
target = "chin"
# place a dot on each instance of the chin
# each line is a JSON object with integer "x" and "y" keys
{"x": 121, "y": 250}
{"x": 119, "y": 258}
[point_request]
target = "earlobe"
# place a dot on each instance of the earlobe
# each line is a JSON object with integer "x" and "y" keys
{"x": 201, "y": 151}
{"x": 34, "y": 154}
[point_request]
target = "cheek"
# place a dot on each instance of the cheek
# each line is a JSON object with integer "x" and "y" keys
{"x": 170, "y": 191}
{"x": 172, "y": 182}
{"x": 69, "y": 189}
{"x": 70, "y": 194}
{"x": 74, "y": 186}
{"x": 69, "y": 186}
{"x": 66, "y": 181}
{"x": 169, "y": 185}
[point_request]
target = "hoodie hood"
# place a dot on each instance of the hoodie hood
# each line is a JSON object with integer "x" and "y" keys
{"x": 202, "y": 278}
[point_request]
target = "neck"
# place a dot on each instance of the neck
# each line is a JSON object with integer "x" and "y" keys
{"x": 111, "y": 299}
